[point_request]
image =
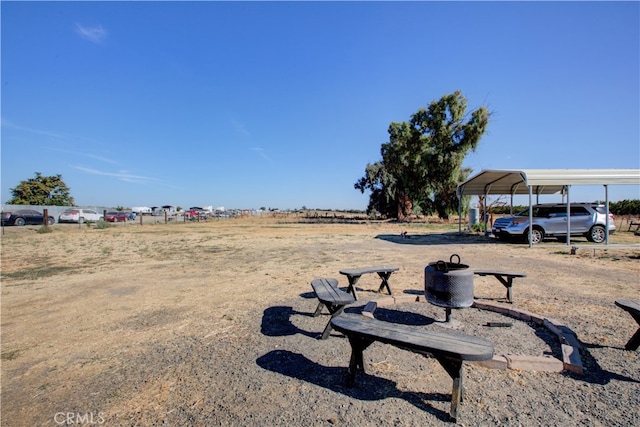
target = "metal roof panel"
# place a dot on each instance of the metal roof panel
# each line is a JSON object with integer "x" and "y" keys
{"x": 543, "y": 181}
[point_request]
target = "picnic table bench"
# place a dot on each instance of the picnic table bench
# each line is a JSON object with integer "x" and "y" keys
{"x": 450, "y": 349}
{"x": 330, "y": 296}
{"x": 354, "y": 274}
{"x": 633, "y": 308}
{"x": 504, "y": 277}
{"x": 634, "y": 223}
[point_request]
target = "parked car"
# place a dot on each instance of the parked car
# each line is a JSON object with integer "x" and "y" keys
{"x": 24, "y": 217}
{"x": 550, "y": 220}
{"x": 116, "y": 216}
{"x": 195, "y": 213}
{"x": 79, "y": 215}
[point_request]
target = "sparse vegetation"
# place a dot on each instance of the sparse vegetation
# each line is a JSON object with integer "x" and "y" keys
{"x": 44, "y": 229}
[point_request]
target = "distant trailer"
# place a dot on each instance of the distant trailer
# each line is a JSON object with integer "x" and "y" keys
{"x": 142, "y": 210}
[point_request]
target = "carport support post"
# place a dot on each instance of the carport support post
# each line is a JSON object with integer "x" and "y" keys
{"x": 568, "y": 215}
{"x": 530, "y": 217}
{"x": 606, "y": 220}
{"x": 485, "y": 214}
{"x": 459, "y": 214}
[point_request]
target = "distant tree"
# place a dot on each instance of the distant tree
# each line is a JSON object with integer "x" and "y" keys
{"x": 382, "y": 186}
{"x": 624, "y": 207}
{"x": 422, "y": 162}
{"x": 43, "y": 191}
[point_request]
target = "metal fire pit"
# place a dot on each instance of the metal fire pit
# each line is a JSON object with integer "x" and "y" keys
{"x": 449, "y": 284}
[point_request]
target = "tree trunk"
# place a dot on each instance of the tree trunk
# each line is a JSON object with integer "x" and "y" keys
{"x": 405, "y": 206}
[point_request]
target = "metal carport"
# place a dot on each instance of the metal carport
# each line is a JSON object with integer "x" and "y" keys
{"x": 543, "y": 181}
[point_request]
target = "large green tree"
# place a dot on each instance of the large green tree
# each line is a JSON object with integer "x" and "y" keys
{"x": 43, "y": 191}
{"x": 422, "y": 162}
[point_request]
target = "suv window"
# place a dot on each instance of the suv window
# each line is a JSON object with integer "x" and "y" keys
{"x": 558, "y": 212}
{"x": 541, "y": 211}
{"x": 579, "y": 211}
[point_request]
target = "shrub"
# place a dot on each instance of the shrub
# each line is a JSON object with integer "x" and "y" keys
{"x": 101, "y": 225}
{"x": 477, "y": 227}
{"x": 44, "y": 229}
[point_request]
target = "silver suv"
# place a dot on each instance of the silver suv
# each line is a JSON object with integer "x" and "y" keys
{"x": 587, "y": 219}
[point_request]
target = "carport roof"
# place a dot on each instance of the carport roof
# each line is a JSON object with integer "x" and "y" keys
{"x": 543, "y": 181}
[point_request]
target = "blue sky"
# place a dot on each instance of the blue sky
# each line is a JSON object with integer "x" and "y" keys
{"x": 282, "y": 105}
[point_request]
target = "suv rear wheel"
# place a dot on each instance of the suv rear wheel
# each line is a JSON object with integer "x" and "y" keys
{"x": 597, "y": 234}
{"x": 537, "y": 235}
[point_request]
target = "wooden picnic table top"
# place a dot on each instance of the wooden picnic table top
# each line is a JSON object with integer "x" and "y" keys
{"x": 359, "y": 271}
{"x": 327, "y": 292}
{"x": 498, "y": 273}
{"x": 448, "y": 344}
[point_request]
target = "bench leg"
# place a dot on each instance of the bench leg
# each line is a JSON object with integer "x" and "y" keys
{"x": 318, "y": 310}
{"x": 352, "y": 286}
{"x": 454, "y": 369}
{"x": 507, "y": 283}
{"x": 385, "y": 282}
{"x": 634, "y": 342}
{"x": 335, "y": 310}
{"x": 356, "y": 363}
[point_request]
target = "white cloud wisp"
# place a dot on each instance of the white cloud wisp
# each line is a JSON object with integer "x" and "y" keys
{"x": 95, "y": 34}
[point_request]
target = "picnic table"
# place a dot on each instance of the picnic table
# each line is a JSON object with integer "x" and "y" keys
{"x": 354, "y": 274}
{"x": 634, "y": 223}
{"x": 449, "y": 349}
{"x": 330, "y": 296}
{"x": 504, "y": 277}
{"x": 633, "y": 308}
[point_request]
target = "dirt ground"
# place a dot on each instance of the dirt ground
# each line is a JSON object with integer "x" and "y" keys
{"x": 211, "y": 323}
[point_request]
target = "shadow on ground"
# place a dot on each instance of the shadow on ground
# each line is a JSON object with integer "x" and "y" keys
{"x": 367, "y": 387}
{"x": 449, "y": 238}
{"x": 276, "y": 321}
{"x": 594, "y": 373}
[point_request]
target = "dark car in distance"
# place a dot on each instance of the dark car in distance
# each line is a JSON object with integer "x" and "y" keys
{"x": 116, "y": 216}
{"x": 24, "y": 217}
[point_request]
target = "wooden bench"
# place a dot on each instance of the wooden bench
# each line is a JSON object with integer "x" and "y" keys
{"x": 634, "y": 223}
{"x": 354, "y": 274}
{"x": 504, "y": 277}
{"x": 330, "y": 296}
{"x": 450, "y": 349}
{"x": 633, "y": 308}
